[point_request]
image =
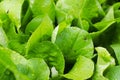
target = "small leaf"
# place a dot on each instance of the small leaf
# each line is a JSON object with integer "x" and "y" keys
{"x": 13, "y": 8}
{"x": 58, "y": 29}
{"x": 33, "y": 24}
{"x": 43, "y": 7}
{"x": 73, "y": 42}
{"x": 116, "y": 48}
{"x": 45, "y": 28}
{"x": 3, "y": 37}
{"x": 82, "y": 70}
{"x": 24, "y": 69}
{"x": 50, "y": 53}
{"x": 68, "y": 10}
{"x": 104, "y": 61}
{"x": 6, "y": 60}
{"x": 113, "y": 73}
{"x": 107, "y": 20}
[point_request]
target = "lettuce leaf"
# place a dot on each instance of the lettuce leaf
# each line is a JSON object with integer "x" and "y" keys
{"x": 43, "y": 7}
{"x": 3, "y": 38}
{"x": 82, "y": 69}
{"x": 80, "y": 9}
{"x": 104, "y": 60}
{"x": 50, "y": 53}
{"x": 45, "y": 28}
{"x": 74, "y": 42}
{"x": 113, "y": 73}
{"x": 13, "y": 9}
{"x": 22, "y": 68}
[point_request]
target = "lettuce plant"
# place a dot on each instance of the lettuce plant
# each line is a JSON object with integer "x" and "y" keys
{"x": 59, "y": 40}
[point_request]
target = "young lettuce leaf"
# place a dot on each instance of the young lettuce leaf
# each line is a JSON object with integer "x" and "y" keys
{"x": 82, "y": 69}
{"x": 3, "y": 37}
{"x": 116, "y": 38}
{"x": 33, "y": 24}
{"x": 17, "y": 46}
{"x": 45, "y": 28}
{"x": 58, "y": 29}
{"x": 13, "y": 9}
{"x": 107, "y": 20}
{"x": 103, "y": 26}
{"x": 117, "y": 10}
{"x": 74, "y": 42}
{"x": 50, "y": 53}
{"x": 113, "y": 73}
{"x": 43, "y": 7}
{"x": 104, "y": 61}
{"x": 6, "y": 60}
{"x": 80, "y": 9}
{"x": 23, "y": 69}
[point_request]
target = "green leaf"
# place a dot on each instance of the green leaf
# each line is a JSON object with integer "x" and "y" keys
{"x": 82, "y": 70}
{"x": 13, "y": 9}
{"x": 107, "y": 20}
{"x": 104, "y": 27}
{"x": 116, "y": 42}
{"x": 43, "y": 7}
{"x": 83, "y": 24}
{"x": 113, "y": 73}
{"x": 116, "y": 10}
{"x": 40, "y": 70}
{"x": 8, "y": 27}
{"x": 3, "y": 37}
{"x": 17, "y": 46}
{"x": 58, "y": 29}
{"x": 73, "y": 42}
{"x": 33, "y": 24}
{"x": 45, "y": 28}
{"x": 50, "y": 52}
{"x": 23, "y": 69}
{"x": 102, "y": 1}
{"x": 104, "y": 61}
{"x": 2, "y": 70}
{"x": 116, "y": 48}
{"x": 68, "y": 10}
{"x": 6, "y": 59}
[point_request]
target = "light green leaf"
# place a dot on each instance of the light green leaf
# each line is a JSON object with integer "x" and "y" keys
{"x": 17, "y": 46}
{"x": 116, "y": 48}
{"x": 102, "y": 26}
{"x": 116, "y": 10}
{"x": 13, "y": 9}
{"x": 116, "y": 42}
{"x": 113, "y": 73}
{"x": 39, "y": 68}
{"x": 102, "y": 1}
{"x": 24, "y": 69}
{"x": 107, "y": 20}
{"x": 73, "y": 42}
{"x": 2, "y": 70}
{"x": 3, "y": 37}
{"x": 33, "y": 24}
{"x": 68, "y": 10}
{"x": 82, "y": 70}
{"x": 58, "y": 29}
{"x": 6, "y": 60}
{"x": 45, "y": 28}
{"x": 43, "y": 7}
{"x": 104, "y": 61}
{"x": 83, "y": 24}
{"x": 50, "y": 53}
